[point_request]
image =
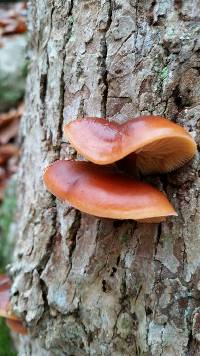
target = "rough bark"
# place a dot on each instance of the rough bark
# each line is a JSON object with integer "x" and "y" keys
{"x": 89, "y": 286}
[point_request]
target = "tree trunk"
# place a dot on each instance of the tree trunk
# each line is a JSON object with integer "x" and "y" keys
{"x": 90, "y": 286}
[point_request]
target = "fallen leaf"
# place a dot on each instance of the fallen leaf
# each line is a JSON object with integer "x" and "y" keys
{"x": 17, "y": 326}
{"x": 15, "y": 26}
{"x": 12, "y": 114}
{"x": 5, "y": 285}
{"x": 13, "y": 20}
{"x": 8, "y": 132}
{"x": 6, "y": 152}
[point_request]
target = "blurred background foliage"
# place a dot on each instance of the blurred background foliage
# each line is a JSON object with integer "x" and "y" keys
{"x": 13, "y": 72}
{"x": 7, "y": 211}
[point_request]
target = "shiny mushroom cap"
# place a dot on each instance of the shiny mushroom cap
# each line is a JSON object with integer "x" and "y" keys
{"x": 160, "y": 145}
{"x": 102, "y": 192}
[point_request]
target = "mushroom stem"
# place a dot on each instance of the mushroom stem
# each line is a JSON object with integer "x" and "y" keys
{"x": 129, "y": 165}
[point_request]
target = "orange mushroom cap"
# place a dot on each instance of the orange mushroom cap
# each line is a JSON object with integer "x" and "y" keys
{"x": 160, "y": 145}
{"x": 102, "y": 192}
{"x": 17, "y": 326}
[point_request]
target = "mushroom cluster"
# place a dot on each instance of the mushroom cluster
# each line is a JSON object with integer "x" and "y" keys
{"x": 13, "y": 322}
{"x": 147, "y": 144}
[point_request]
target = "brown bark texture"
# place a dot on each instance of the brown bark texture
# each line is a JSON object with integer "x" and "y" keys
{"x": 90, "y": 286}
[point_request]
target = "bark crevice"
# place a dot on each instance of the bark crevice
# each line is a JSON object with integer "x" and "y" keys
{"x": 104, "y": 53}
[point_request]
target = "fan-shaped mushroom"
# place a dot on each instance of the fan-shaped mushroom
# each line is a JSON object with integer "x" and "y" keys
{"x": 153, "y": 143}
{"x": 103, "y": 192}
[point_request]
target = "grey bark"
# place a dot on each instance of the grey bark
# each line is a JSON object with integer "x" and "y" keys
{"x": 89, "y": 286}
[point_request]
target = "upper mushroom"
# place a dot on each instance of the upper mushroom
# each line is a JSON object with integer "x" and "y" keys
{"x": 103, "y": 192}
{"x": 154, "y": 143}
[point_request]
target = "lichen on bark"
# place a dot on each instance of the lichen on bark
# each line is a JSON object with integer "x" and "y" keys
{"x": 85, "y": 285}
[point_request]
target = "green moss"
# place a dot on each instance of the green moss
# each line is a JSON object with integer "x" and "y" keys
{"x": 164, "y": 73}
{"x": 124, "y": 325}
{"x": 124, "y": 238}
{"x": 71, "y": 20}
{"x": 79, "y": 68}
{"x": 170, "y": 33}
{"x": 70, "y": 25}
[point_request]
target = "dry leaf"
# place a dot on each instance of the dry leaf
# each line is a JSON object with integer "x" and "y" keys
{"x": 12, "y": 114}
{"x": 12, "y": 20}
{"x": 5, "y": 285}
{"x": 17, "y": 326}
{"x": 6, "y": 152}
{"x": 8, "y": 132}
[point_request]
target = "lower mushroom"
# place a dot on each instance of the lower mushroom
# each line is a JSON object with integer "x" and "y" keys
{"x": 103, "y": 192}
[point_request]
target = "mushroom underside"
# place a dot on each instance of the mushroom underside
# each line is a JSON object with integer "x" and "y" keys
{"x": 164, "y": 155}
